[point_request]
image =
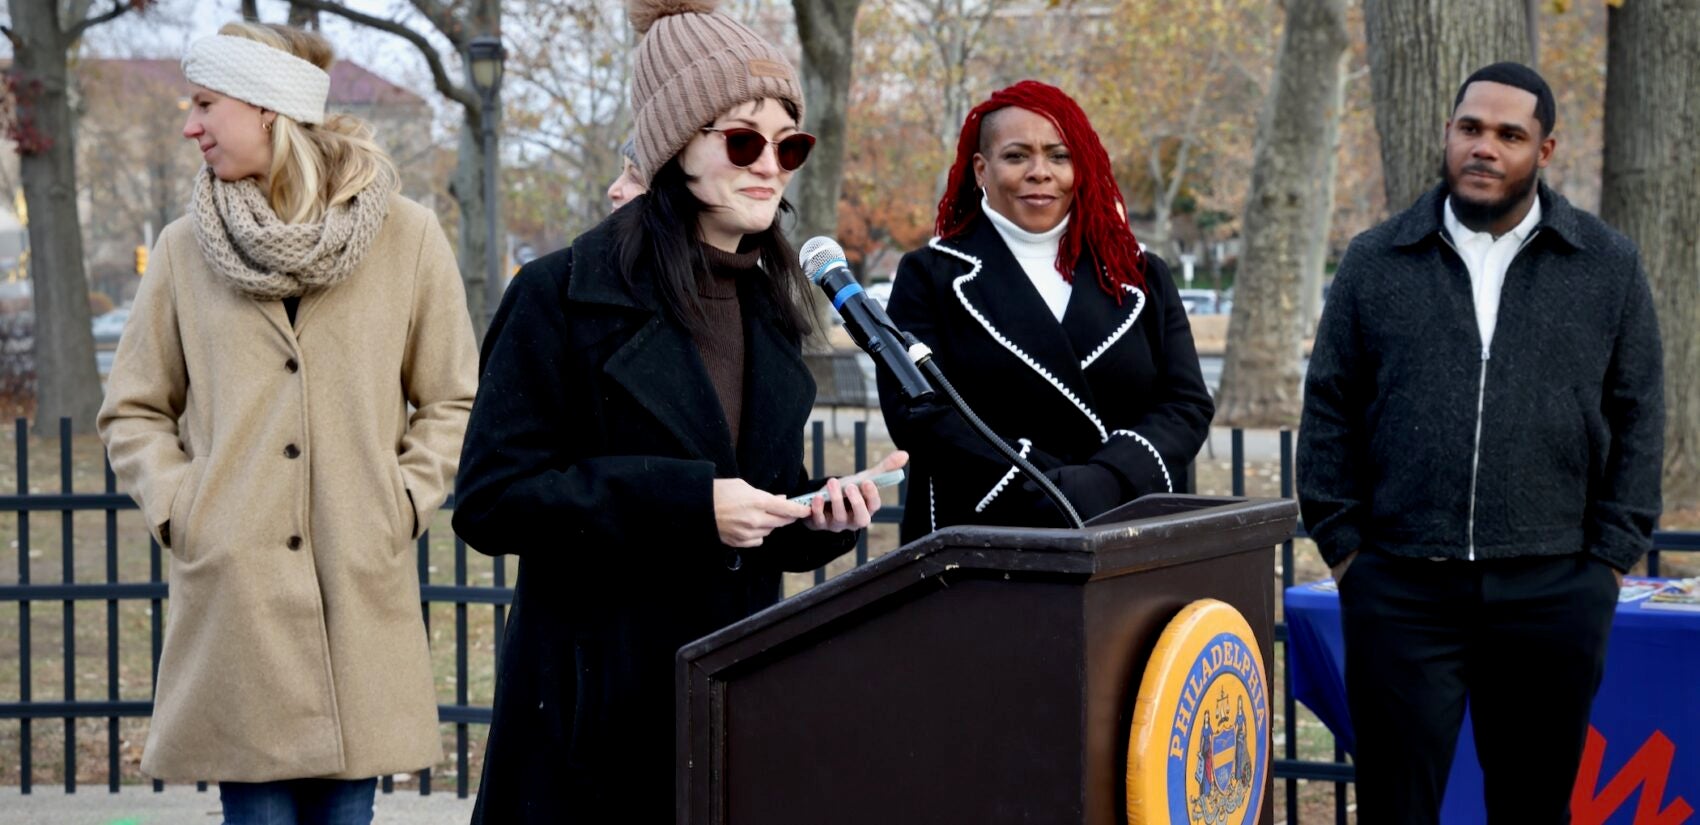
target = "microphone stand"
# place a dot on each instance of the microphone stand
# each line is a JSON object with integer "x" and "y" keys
{"x": 922, "y": 355}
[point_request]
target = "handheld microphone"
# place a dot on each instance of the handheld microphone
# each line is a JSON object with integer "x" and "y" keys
{"x": 823, "y": 262}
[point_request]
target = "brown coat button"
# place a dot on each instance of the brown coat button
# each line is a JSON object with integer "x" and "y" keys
{"x": 295, "y": 542}
{"x": 292, "y": 365}
{"x": 292, "y": 451}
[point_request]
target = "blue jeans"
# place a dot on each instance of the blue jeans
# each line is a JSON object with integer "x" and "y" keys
{"x": 298, "y": 802}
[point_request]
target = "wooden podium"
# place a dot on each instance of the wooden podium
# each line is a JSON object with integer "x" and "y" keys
{"x": 979, "y": 675}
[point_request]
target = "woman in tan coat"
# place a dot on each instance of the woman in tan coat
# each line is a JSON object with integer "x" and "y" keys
{"x": 287, "y": 407}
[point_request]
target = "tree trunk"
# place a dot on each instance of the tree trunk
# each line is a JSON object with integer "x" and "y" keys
{"x": 67, "y": 382}
{"x": 1419, "y": 51}
{"x": 1651, "y": 192}
{"x": 1315, "y": 266}
{"x": 827, "y": 29}
{"x": 1287, "y": 216}
{"x": 1160, "y": 239}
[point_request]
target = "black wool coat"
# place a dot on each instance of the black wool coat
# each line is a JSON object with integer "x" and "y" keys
{"x": 1109, "y": 401}
{"x": 591, "y": 453}
{"x": 1418, "y": 441}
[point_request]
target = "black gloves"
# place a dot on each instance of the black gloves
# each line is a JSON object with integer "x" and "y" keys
{"x": 1092, "y": 489}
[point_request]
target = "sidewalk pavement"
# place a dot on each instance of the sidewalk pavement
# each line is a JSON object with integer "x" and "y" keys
{"x": 183, "y": 805}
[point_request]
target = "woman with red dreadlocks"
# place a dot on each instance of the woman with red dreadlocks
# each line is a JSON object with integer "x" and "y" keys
{"x": 1049, "y": 319}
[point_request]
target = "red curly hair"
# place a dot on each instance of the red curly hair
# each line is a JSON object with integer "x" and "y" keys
{"x": 1096, "y": 228}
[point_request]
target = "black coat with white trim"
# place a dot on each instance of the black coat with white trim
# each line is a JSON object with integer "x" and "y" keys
{"x": 1109, "y": 402}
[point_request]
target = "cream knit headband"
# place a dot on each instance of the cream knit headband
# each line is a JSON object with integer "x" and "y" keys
{"x": 253, "y": 72}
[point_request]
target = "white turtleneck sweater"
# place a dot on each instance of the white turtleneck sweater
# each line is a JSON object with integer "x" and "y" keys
{"x": 1037, "y": 254}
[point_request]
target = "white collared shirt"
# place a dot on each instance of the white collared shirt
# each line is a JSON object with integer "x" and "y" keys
{"x": 1487, "y": 258}
{"x": 1037, "y": 254}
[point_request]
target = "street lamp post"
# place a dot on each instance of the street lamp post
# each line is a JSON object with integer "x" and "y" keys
{"x": 484, "y": 57}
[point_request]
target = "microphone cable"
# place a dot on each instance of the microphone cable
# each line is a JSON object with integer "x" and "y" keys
{"x": 922, "y": 355}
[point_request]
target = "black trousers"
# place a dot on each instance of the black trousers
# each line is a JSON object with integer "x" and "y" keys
{"x": 1524, "y": 640}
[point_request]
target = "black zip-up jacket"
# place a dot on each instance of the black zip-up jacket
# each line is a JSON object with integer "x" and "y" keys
{"x": 1418, "y": 441}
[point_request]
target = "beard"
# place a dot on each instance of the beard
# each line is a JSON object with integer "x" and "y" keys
{"x": 1477, "y": 214}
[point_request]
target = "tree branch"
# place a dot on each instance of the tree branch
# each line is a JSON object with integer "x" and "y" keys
{"x": 443, "y": 20}
{"x": 439, "y": 75}
{"x": 76, "y": 31}
{"x": 1154, "y": 160}
{"x": 1189, "y": 132}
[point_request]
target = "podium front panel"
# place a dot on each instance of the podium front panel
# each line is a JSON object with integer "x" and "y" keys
{"x": 982, "y": 675}
{"x": 975, "y": 689}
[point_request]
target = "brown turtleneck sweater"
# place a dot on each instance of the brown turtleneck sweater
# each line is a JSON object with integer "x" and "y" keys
{"x": 721, "y": 340}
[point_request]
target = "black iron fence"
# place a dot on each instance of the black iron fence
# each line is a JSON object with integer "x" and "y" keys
{"x": 462, "y": 597}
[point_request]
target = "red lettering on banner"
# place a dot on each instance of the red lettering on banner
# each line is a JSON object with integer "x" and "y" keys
{"x": 1649, "y": 768}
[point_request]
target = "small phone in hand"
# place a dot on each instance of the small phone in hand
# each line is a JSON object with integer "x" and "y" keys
{"x": 886, "y": 479}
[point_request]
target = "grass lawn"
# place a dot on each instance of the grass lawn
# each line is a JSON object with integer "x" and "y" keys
{"x": 89, "y": 561}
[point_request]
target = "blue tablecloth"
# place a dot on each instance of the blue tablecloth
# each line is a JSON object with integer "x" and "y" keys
{"x": 1647, "y": 713}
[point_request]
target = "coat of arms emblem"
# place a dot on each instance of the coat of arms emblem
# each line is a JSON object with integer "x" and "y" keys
{"x": 1223, "y": 772}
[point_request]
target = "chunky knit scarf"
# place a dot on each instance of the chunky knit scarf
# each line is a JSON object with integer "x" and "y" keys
{"x": 267, "y": 259}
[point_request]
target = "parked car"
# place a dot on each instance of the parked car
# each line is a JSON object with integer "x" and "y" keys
{"x": 107, "y": 328}
{"x": 1205, "y": 302}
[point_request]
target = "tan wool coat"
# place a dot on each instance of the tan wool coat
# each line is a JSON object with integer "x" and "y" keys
{"x": 284, "y": 470}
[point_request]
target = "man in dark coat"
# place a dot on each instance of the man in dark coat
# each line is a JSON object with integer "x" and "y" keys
{"x": 1479, "y": 463}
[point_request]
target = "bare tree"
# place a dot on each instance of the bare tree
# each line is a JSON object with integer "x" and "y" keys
{"x": 1651, "y": 192}
{"x": 1168, "y": 158}
{"x": 1287, "y": 218}
{"x": 303, "y": 18}
{"x": 1419, "y": 51}
{"x": 41, "y": 127}
{"x": 458, "y": 23}
{"x": 827, "y": 29}
{"x": 954, "y": 32}
{"x": 570, "y": 100}
{"x": 1181, "y": 134}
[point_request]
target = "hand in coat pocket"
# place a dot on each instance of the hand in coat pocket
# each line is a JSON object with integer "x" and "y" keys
{"x": 1338, "y": 571}
{"x": 173, "y": 532}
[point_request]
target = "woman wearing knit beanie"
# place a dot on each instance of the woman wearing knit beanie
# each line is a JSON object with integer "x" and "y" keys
{"x": 1041, "y": 307}
{"x": 286, "y": 407}
{"x": 638, "y": 430}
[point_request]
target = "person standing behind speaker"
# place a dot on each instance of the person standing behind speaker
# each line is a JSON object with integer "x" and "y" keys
{"x": 1043, "y": 311}
{"x": 286, "y": 406}
{"x": 639, "y": 427}
{"x": 629, "y": 184}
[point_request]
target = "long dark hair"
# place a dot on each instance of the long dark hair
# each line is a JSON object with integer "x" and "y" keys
{"x": 656, "y": 234}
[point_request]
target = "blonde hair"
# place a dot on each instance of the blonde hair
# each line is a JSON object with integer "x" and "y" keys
{"x": 318, "y": 167}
